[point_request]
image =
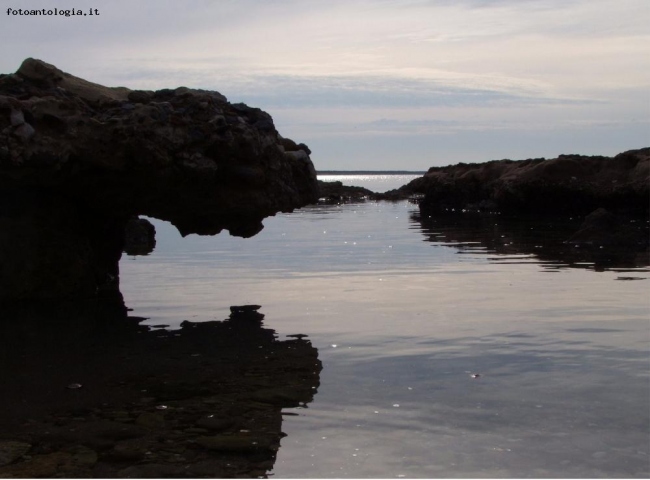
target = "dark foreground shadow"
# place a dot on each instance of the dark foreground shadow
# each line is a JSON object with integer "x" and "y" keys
{"x": 553, "y": 242}
{"x": 88, "y": 392}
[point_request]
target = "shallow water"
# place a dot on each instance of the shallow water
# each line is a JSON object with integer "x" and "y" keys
{"x": 403, "y": 310}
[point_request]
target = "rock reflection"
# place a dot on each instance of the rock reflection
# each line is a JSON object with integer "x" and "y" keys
{"x": 202, "y": 401}
{"x": 553, "y": 242}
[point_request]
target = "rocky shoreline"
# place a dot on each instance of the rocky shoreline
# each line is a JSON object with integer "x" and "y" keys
{"x": 610, "y": 194}
{"x": 336, "y": 192}
{"x": 568, "y": 184}
{"x": 87, "y": 390}
{"x": 102, "y": 397}
{"x": 78, "y": 160}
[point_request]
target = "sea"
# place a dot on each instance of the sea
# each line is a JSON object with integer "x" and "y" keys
{"x": 452, "y": 347}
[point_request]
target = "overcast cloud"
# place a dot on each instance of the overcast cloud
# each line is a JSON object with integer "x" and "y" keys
{"x": 377, "y": 84}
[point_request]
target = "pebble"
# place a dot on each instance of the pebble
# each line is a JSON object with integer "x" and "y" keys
{"x": 233, "y": 443}
{"x": 128, "y": 451}
{"x": 196, "y": 431}
{"x": 83, "y": 456}
{"x": 151, "y": 470}
{"x": 150, "y": 420}
{"x": 215, "y": 424}
{"x": 24, "y": 131}
{"x": 11, "y": 451}
{"x": 42, "y": 466}
{"x": 277, "y": 396}
{"x": 17, "y": 117}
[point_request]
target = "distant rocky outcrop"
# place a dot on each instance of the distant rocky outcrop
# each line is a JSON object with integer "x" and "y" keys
{"x": 78, "y": 160}
{"x": 570, "y": 183}
{"x": 336, "y": 192}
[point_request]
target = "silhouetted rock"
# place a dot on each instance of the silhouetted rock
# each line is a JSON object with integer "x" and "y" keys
{"x": 139, "y": 237}
{"x": 78, "y": 160}
{"x": 203, "y": 401}
{"x": 405, "y": 192}
{"x": 569, "y": 183}
{"x": 334, "y": 192}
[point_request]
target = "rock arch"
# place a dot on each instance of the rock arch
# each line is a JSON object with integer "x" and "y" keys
{"x": 78, "y": 160}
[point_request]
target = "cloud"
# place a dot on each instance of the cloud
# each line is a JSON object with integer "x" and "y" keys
{"x": 374, "y": 68}
{"x": 395, "y": 89}
{"x": 378, "y": 91}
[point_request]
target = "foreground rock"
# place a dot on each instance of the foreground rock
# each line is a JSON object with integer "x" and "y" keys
{"x": 205, "y": 401}
{"x": 567, "y": 184}
{"x": 78, "y": 160}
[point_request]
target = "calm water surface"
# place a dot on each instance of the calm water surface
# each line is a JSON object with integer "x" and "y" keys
{"x": 403, "y": 311}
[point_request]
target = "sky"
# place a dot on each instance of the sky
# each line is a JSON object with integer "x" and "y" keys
{"x": 376, "y": 84}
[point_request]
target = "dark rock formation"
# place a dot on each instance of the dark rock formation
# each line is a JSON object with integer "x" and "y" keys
{"x": 139, "y": 237}
{"x": 78, "y": 160}
{"x": 569, "y": 183}
{"x": 205, "y": 401}
{"x": 405, "y": 192}
{"x": 336, "y": 192}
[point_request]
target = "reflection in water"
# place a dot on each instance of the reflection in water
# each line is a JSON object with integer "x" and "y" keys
{"x": 524, "y": 240}
{"x": 88, "y": 392}
{"x": 563, "y": 358}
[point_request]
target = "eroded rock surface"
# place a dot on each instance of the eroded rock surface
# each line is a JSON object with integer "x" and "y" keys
{"x": 77, "y": 160}
{"x": 570, "y": 183}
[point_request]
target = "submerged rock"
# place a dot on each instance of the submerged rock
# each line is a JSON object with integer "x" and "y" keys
{"x": 10, "y": 451}
{"x": 78, "y": 160}
{"x": 241, "y": 443}
{"x": 214, "y": 425}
